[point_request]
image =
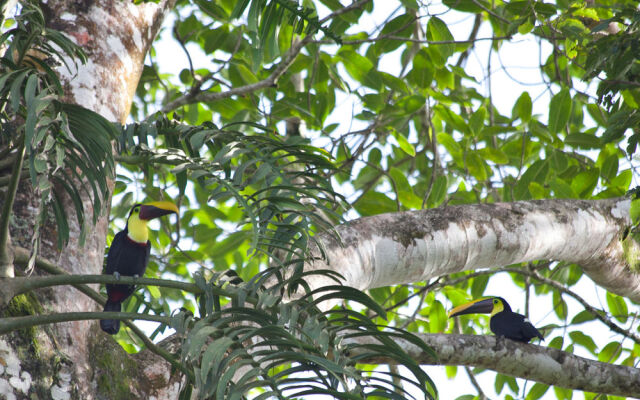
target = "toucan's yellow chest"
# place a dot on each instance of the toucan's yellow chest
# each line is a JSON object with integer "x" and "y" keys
{"x": 137, "y": 228}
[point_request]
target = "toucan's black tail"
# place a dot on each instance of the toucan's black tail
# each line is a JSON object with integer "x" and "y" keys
{"x": 111, "y": 326}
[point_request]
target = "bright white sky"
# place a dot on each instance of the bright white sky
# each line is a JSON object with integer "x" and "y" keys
{"x": 519, "y": 58}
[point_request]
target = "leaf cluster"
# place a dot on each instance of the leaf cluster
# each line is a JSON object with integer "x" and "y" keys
{"x": 270, "y": 348}
{"x": 279, "y": 184}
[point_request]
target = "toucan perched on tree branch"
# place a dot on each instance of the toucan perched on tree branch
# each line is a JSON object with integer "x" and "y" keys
{"x": 503, "y": 322}
{"x": 129, "y": 255}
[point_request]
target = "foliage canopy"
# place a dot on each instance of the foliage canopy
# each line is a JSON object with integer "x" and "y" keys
{"x": 290, "y": 117}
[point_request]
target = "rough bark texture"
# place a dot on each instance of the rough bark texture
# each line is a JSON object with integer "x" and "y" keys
{"x": 63, "y": 361}
{"x": 413, "y": 246}
{"x": 538, "y": 363}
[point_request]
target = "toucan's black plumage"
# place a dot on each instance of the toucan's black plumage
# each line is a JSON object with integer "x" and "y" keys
{"x": 129, "y": 255}
{"x": 503, "y": 322}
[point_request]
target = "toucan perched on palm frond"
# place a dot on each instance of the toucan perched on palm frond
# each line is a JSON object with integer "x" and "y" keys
{"x": 129, "y": 255}
{"x": 503, "y": 322}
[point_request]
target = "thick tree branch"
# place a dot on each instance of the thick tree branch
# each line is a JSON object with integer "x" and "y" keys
{"x": 413, "y": 246}
{"x": 541, "y": 364}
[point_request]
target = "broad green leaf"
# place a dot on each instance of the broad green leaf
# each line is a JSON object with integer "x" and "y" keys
{"x": 437, "y": 318}
{"x": 556, "y": 343}
{"x": 609, "y": 167}
{"x": 610, "y": 352}
{"x": 537, "y": 191}
{"x": 582, "y": 316}
{"x": 356, "y": 65}
{"x": 422, "y": 72}
{"x": 437, "y": 31}
{"x": 537, "y": 172}
{"x": 404, "y": 143}
{"x": 438, "y": 191}
{"x": 634, "y": 211}
{"x": 617, "y": 307}
{"x": 583, "y": 340}
{"x": 412, "y": 103}
{"x": 470, "y": 6}
{"x": 537, "y": 391}
{"x": 559, "y": 111}
{"x": 372, "y": 203}
{"x": 585, "y": 182}
{"x": 495, "y": 155}
{"x": 559, "y": 306}
{"x": 559, "y": 161}
{"x": 404, "y": 190}
{"x": 522, "y": 108}
{"x": 623, "y": 179}
{"x": 562, "y": 190}
{"x": 476, "y": 122}
{"x": 242, "y": 74}
{"x": 154, "y": 292}
{"x": 452, "y": 119}
{"x": 476, "y": 166}
{"x": 583, "y": 141}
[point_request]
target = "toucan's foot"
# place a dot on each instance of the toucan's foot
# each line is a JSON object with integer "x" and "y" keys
{"x": 117, "y": 275}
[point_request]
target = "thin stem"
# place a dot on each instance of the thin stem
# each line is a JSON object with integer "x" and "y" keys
{"x": 6, "y": 258}
{"x": 10, "y": 324}
{"x": 26, "y": 284}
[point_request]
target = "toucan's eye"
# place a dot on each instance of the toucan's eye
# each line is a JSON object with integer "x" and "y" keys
{"x": 495, "y": 301}
{"x": 137, "y": 209}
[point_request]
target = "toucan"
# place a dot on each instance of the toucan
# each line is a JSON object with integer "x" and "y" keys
{"x": 129, "y": 255}
{"x": 503, "y": 322}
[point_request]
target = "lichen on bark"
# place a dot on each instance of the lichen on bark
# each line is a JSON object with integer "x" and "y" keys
{"x": 114, "y": 371}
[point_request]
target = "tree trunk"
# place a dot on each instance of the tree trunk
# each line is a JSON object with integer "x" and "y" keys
{"x": 75, "y": 359}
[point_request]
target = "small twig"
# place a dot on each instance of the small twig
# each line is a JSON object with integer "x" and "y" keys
{"x": 350, "y": 7}
{"x": 475, "y": 384}
{"x": 472, "y": 378}
{"x": 417, "y": 41}
{"x": 473, "y": 37}
{"x": 184, "y": 49}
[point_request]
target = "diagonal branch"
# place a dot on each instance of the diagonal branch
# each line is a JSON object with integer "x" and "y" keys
{"x": 286, "y": 62}
{"x": 541, "y": 364}
{"x": 270, "y": 81}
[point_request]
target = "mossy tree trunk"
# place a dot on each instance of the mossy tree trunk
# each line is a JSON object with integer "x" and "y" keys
{"x": 75, "y": 359}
